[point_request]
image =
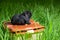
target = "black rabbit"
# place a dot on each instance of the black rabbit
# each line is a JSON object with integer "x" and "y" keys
{"x": 21, "y": 19}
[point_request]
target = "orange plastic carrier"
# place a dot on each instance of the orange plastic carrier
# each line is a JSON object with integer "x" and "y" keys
{"x": 22, "y": 29}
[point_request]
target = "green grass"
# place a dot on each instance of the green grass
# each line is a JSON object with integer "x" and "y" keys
{"x": 46, "y": 15}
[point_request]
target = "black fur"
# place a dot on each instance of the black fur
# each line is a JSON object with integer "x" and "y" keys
{"x": 21, "y": 19}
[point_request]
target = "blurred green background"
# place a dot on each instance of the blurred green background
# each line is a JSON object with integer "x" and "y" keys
{"x": 46, "y": 12}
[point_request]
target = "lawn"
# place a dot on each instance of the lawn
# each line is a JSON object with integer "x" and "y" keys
{"x": 47, "y": 13}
